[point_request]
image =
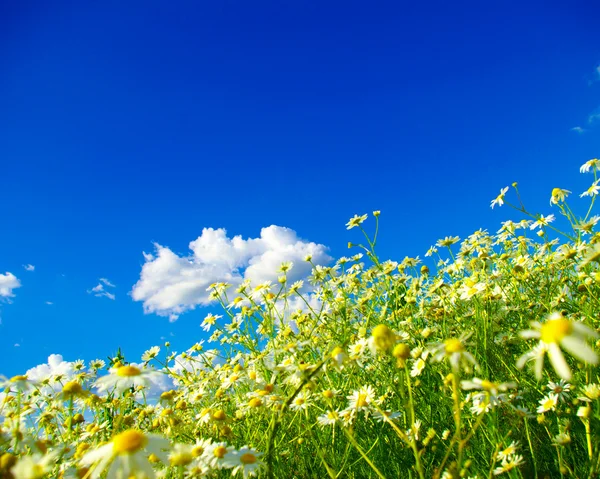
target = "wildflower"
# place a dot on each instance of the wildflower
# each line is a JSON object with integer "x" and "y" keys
{"x": 181, "y": 455}
{"x": 209, "y": 321}
{"x": 542, "y": 221}
{"x": 554, "y": 333}
{"x": 361, "y": 400}
{"x": 301, "y": 401}
{"x": 245, "y": 460}
{"x": 487, "y": 386}
{"x": 561, "y": 389}
{"x": 591, "y": 392}
{"x": 355, "y": 221}
{"x": 383, "y": 416}
{"x": 509, "y": 464}
{"x": 33, "y": 466}
{"x": 122, "y": 378}
{"x": 417, "y": 367}
{"x": 592, "y": 254}
{"x": 507, "y": 451}
{"x": 214, "y": 455}
{"x": 126, "y": 455}
{"x": 547, "y": 403}
{"x": 561, "y": 439}
{"x": 593, "y": 164}
{"x": 382, "y": 339}
{"x": 500, "y": 198}
{"x": 151, "y": 353}
{"x": 454, "y": 350}
{"x": 329, "y": 418}
{"x": 558, "y": 195}
{"x": 448, "y": 241}
{"x": 592, "y": 190}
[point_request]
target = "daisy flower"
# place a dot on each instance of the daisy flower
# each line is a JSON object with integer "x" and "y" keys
{"x": 214, "y": 455}
{"x": 361, "y": 400}
{"x": 499, "y": 200}
{"x": 561, "y": 389}
{"x": 126, "y": 456}
{"x": 553, "y": 334}
{"x": 244, "y": 460}
{"x": 329, "y": 418}
{"x": 593, "y": 164}
{"x": 454, "y": 350}
{"x": 558, "y": 195}
{"x": 355, "y": 221}
{"x": 33, "y": 466}
{"x": 122, "y": 378}
{"x": 547, "y": 403}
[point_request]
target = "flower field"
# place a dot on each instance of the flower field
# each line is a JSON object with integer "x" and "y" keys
{"x": 478, "y": 360}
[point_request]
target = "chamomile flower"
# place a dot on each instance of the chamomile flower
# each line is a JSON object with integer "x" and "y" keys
{"x": 126, "y": 455}
{"x": 548, "y": 403}
{"x": 361, "y": 400}
{"x": 329, "y": 418}
{"x": 455, "y": 351}
{"x": 34, "y": 466}
{"x": 558, "y": 196}
{"x": 355, "y": 221}
{"x": 499, "y": 200}
{"x": 593, "y": 164}
{"x": 245, "y": 460}
{"x": 592, "y": 190}
{"x": 554, "y": 333}
{"x": 151, "y": 353}
{"x": 122, "y": 378}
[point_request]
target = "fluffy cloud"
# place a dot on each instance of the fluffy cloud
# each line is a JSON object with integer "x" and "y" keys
{"x": 56, "y": 366}
{"x": 8, "y": 282}
{"x": 29, "y": 267}
{"x": 99, "y": 290}
{"x": 170, "y": 284}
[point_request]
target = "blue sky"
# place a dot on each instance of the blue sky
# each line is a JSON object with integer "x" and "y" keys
{"x": 128, "y": 125}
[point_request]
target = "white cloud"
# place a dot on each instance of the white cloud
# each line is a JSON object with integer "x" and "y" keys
{"x": 29, "y": 267}
{"x": 100, "y": 291}
{"x": 50, "y": 303}
{"x": 8, "y": 282}
{"x": 56, "y": 366}
{"x": 578, "y": 129}
{"x": 170, "y": 284}
{"x": 594, "y": 116}
{"x": 17, "y": 345}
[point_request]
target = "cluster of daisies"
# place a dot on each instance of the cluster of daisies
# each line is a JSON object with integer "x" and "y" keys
{"x": 478, "y": 360}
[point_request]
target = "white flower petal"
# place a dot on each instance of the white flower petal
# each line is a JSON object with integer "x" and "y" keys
{"x": 558, "y": 361}
{"x": 579, "y": 349}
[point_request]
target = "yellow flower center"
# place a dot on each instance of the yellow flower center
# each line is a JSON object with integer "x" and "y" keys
{"x": 383, "y": 337}
{"x": 129, "y": 442}
{"x": 220, "y": 451}
{"x": 72, "y": 388}
{"x": 555, "y": 330}
{"x": 181, "y": 459}
{"x": 247, "y": 458}
{"x": 197, "y": 451}
{"x": 219, "y": 415}
{"x": 328, "y": 394}
{"x": 488, "y": 385}
{"x": 362, "y": 400}
{"x": 128, "y": 371}
{"x": 255, "y": 402}
{"x": 16, "y": 379}
{"x": 453, "y": 345}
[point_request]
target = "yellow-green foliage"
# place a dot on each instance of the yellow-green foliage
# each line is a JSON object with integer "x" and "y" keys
{"x": 477, "y": 361}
